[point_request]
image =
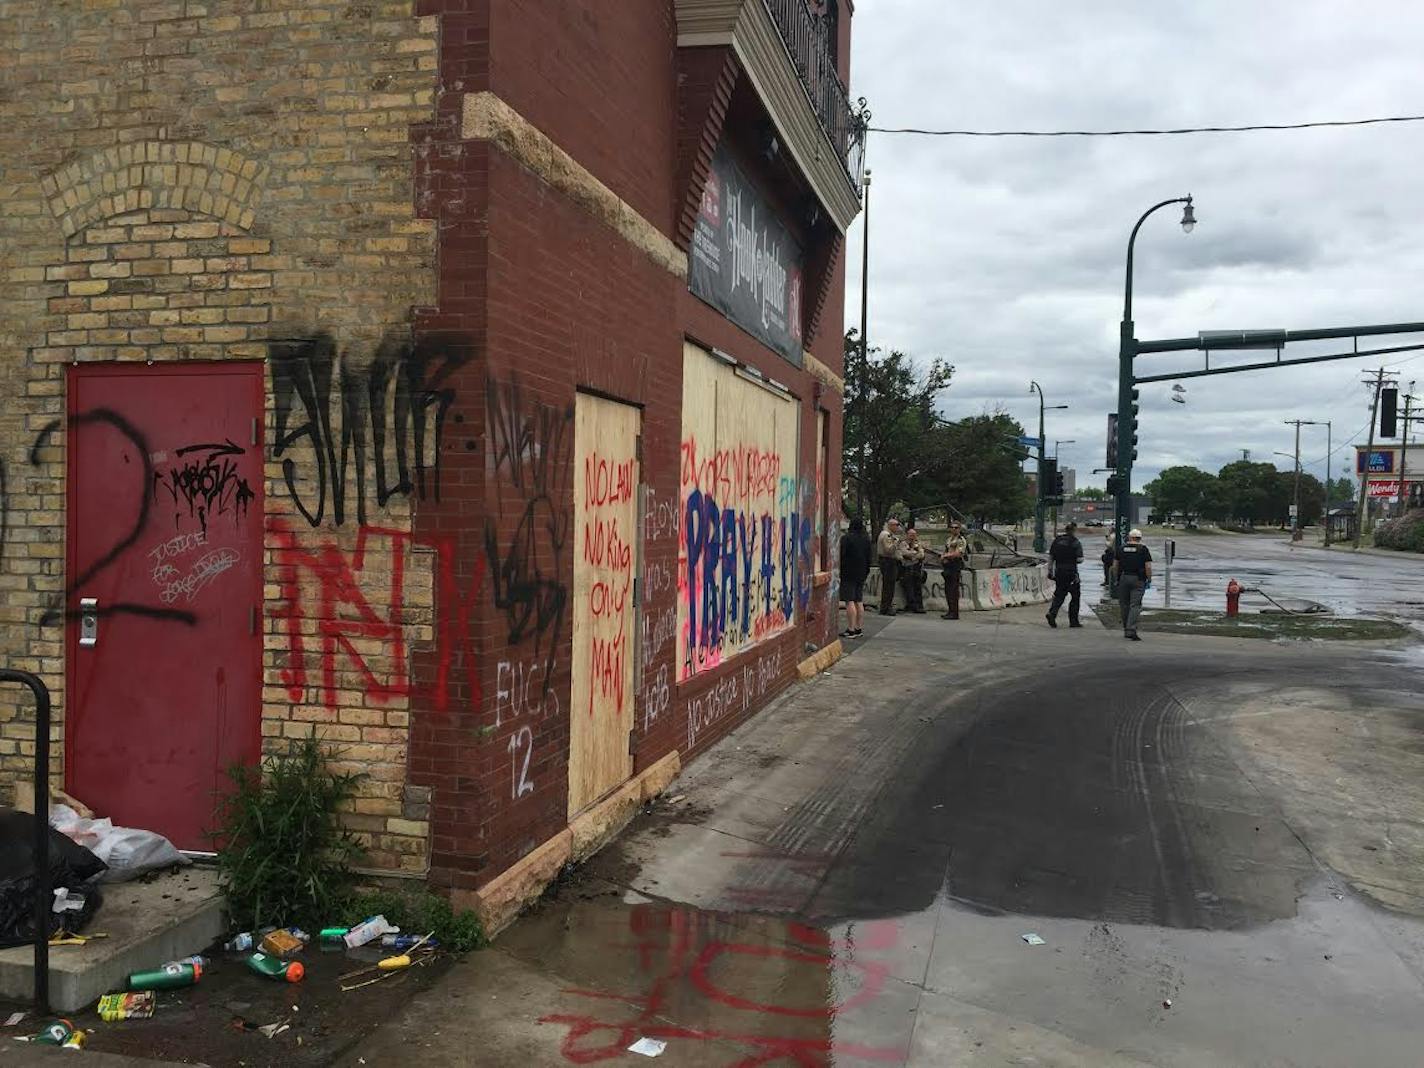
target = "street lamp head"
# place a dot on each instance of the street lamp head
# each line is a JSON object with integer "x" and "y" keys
{"x": 1189, "y": 219}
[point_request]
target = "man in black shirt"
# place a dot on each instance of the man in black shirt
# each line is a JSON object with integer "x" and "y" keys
{"x": 1134, "y": 574}
{"x": 1066, "y": 553}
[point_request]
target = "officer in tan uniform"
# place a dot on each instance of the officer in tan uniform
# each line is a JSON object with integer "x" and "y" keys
{"x": 887, "y": 551}
{"x": 952, "y": 559}
{"x": 912, "y": 572}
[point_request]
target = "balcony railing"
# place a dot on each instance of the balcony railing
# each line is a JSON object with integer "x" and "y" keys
{"x": 807, "y": 37}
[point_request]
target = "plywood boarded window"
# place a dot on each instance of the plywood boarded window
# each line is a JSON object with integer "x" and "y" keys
{"x": 745, "y": 557}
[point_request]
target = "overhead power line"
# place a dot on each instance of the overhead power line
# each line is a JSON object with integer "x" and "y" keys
{"x": 1147, "y": 133}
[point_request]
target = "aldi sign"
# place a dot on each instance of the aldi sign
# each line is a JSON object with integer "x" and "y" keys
{"x": 1381, "y": 462}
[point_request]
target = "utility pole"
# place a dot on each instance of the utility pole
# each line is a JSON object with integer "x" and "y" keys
{"x": 1369, "y": 450}
{"x": 864, "y": 350}
{"x": 1295, "y": 519}
{"x": 1404, "y": 454}
{"x": 1329, "y": 433}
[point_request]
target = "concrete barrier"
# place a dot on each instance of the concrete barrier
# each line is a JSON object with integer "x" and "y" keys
{"x": 980, "y": 589}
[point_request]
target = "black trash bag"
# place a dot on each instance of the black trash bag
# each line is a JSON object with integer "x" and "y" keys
{"x": 70, "y": 866}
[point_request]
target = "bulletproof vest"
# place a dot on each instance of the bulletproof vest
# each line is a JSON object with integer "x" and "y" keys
{"x": 1063, "y": 551}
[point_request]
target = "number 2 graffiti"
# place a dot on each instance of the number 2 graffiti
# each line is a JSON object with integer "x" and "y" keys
{"x": 520, "y": 785}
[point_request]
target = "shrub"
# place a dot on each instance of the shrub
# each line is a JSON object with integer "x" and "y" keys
{"x": 284, "y": 857}
{"x": 1406, "y": 532}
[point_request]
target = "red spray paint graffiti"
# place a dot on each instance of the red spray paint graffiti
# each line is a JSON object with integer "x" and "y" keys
{"x": 343, "y": 614}
{"x": 793, "y": 1020}
{"x": 609, "y": 485}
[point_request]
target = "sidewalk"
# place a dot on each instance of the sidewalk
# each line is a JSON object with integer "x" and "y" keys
{"x": 795, "y": 898}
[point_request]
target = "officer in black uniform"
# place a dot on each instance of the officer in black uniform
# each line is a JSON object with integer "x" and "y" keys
{"x": 1134, "y": 574}
{"x": 1066, "y": 553}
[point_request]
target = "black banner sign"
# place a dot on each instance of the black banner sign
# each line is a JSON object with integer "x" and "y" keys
{"x": 744, "y": 263}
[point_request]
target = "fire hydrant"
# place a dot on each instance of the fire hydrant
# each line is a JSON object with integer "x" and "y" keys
{"x": 1233, "y": 599}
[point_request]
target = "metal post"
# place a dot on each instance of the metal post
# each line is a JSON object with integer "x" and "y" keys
{"x": 44, "y": 903}
{"x": 864, "y": 349}
{"x": 1169, "y": 550}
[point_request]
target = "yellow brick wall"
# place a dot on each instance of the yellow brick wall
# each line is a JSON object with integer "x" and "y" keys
{"x": 187, "y": 179}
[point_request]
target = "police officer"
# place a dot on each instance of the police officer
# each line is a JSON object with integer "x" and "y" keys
{"x": 956, "y": 548}
{"x": 912, "y": 572}
{"x": 1066, "y": 553}
{"x": 1133, "y": 569}
{"x": 1109, "y": 556}
{"x": 887, "y": 552}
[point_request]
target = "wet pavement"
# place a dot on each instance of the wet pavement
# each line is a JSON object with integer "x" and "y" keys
{"x": 1346, "y": 583}
{"x": 1221, "y": 843}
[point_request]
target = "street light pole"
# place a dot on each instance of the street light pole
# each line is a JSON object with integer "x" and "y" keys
{"x": 1127, "y": 351}
{"x": 1040, "y": 544}
{"x": 864, "y": 351}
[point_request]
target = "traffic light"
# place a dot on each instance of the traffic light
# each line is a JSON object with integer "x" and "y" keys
{"x": 1049, "y": 479}
{"x": 1058, "y": 483}
{"x": 1113, "y": 483}
{"x": 1112, "y": 441}
{"x": 1389, "y": 406}
{"x": 1132, "y": 424}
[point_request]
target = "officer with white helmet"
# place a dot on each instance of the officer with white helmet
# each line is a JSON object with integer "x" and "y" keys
{"x": 1133, "y": 570}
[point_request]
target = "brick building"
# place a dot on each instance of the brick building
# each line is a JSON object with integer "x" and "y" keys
{"x": 457, "y": 378}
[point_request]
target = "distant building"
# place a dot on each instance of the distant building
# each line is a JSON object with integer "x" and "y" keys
{"x": 1070, "y": 481}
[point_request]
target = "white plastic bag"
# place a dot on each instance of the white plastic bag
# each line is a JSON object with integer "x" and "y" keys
{"x": 128, "y": 851}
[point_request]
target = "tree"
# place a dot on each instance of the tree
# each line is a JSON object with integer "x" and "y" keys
{"x": 1181, "y": 490}
{"x": 889, "y": 415}
{"x": 1342, "y": 491}
{"x": 975, "y": 467}
{"x": 1258, "y": 493}
{"x": 1091, "y": 493}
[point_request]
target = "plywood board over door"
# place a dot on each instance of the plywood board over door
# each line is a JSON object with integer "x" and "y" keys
{"x": 606, "y": 558}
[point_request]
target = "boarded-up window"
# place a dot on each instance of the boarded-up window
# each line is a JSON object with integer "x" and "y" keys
{"x": 745, "y": 558}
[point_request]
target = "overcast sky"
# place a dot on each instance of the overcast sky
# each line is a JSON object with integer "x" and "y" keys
{"x": 1005, "y": 256}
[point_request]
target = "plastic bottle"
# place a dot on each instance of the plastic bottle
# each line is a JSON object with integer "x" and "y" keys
{"x": 368, "y": 931}
{"x": 274, "y": 968}
{"x": 54, "y": 1034}
{"x": 169, "y": 977}
{"x": 240, "y": 943}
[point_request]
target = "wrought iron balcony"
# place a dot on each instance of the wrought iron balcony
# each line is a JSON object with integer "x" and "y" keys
{"x": 811, "y": 47}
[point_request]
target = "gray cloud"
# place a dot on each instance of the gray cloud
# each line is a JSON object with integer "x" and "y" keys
{"x": 1006, "y": 256}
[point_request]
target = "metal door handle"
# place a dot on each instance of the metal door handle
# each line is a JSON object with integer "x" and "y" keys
{"x": 88, "y": 621}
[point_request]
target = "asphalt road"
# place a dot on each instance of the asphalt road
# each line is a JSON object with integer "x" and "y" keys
{"x": 1346, "y": 583}
{"x": 1220, "y": 843}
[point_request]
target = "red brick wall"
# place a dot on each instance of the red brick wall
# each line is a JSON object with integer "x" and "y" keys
{"x": 555, "y": 301}
{"x": 598, "y": 78}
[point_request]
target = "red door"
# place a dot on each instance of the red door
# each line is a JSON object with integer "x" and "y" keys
{"x": 163, "y": 608}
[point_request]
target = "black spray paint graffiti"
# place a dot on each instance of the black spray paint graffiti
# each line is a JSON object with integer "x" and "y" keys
{"x": 207, "y": 483}
{"x": 392, "y": 413}
{"x": 56, "y": 612}
{"x": 531, "y": 450}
